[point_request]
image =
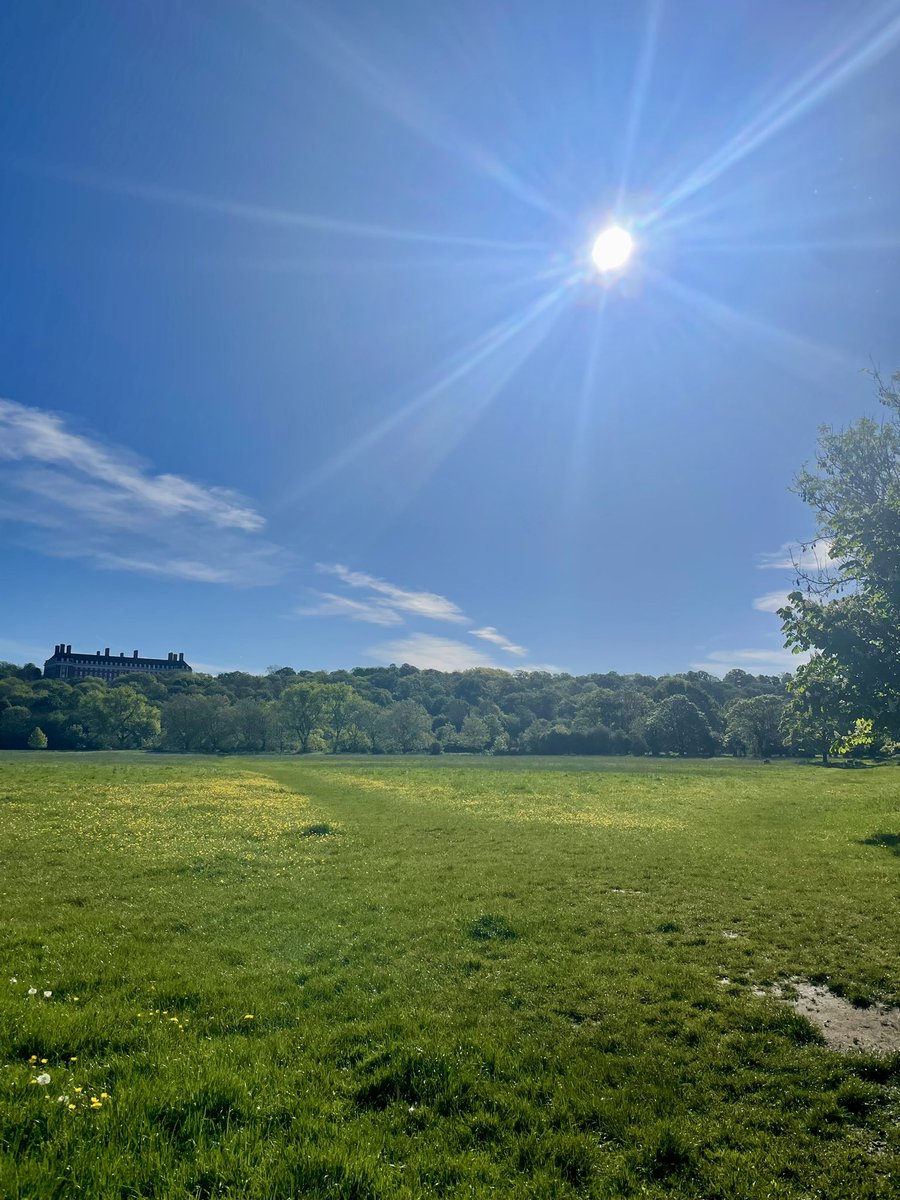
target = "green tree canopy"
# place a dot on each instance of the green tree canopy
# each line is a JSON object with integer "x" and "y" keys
{"x": 848, "y": 612}
{"x": 755, "y": 723}
{"x": 37, "y": 739}
{"x": 678, "y": 726}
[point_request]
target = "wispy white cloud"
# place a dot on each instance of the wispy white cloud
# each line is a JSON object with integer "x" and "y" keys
{"x": 766, "y": 661}
{"x": 490, "y": 634}
{"x": 770, "y": 602}
{"x": 373, "y": 612}
{"x": 792, "y": 557}
{"x": 429, "y": 652}
{"x": 417, "y": 604}
{"x": 36, "y": 435}
{"x": 90, "y": 500}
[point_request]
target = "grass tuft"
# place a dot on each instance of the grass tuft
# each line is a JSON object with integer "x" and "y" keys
{"x": 488, "y": 928}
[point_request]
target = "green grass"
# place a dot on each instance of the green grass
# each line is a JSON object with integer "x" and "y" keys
{"x": 382, "y": 978}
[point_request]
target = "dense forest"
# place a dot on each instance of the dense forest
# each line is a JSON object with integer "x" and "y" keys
{"x": 402, "y": 709}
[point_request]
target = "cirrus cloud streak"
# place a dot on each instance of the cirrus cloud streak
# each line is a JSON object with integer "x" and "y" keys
{"x": 83, "y": 498}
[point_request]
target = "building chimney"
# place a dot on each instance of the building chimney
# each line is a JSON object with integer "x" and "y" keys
{"x": 106, "y": 652}
{"x": 68, "y": 649}
{"x": 135, "y": 654}
{"x": 181, "y": 657}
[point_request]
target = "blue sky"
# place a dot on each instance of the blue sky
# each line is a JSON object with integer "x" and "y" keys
{"x": 303, "y": 360}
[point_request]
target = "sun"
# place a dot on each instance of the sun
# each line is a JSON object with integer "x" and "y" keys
{"x": 612, "y": 249}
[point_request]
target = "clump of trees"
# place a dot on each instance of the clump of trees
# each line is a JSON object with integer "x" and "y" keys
{"x": 846, "y": 611}
{"x": 398, "y": 710}
{"x": 845, "y": 699}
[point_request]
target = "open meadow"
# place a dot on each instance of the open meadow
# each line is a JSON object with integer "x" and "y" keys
{"x": 375, "y": 978}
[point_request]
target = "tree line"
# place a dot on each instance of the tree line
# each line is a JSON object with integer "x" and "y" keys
{"x": 844, "y": 612}
{"x": 400, "y": 710}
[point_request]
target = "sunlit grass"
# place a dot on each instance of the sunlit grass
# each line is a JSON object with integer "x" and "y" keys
{"x": 377, "y": 978}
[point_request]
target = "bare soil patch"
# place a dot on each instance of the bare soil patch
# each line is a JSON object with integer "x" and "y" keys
{"x": 874, "y": 1029}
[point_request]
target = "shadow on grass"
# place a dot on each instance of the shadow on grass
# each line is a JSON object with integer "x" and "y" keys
{"x": 888, "y": 841}
{"x": 316, "y": 831}
{"x": 837, "y": 764}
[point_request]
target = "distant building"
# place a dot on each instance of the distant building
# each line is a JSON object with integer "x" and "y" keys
{"x": 66, "y": 665}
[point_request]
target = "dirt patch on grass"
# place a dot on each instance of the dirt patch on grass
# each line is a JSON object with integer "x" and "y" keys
{"x": 845, "y": 1026}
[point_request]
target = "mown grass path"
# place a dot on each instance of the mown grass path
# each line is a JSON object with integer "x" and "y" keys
{"x": 374, "y": 978}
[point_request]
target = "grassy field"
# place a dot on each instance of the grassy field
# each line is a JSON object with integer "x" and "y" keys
{"x": 374, "y": 978}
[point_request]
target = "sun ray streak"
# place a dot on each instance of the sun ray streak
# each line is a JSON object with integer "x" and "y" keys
{"x": 458, "y": 368}
{"x": 287, "y": 218}
{"x": 359, "y": 72}
{"x": 580, "y": 441}
{"x": 642, "y": 76}
{"x": 727, "y": 317}
{"x": 876, "y": 38}
{"x": 792, "y": 246}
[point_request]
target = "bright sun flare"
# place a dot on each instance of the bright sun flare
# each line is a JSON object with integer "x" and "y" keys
{"x": 612, "y": 248}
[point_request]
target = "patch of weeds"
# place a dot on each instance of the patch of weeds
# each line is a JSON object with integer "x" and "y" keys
{"x": 311, "y": 1173}
{"x": 491, "y": 928}
{"x": 666, "y": 1153}
{"x": 859, "y": 1098}
{"x": 876, "y": 1070}
{"x": 417, "y": 1078}
{"x": 573, "y": 1159}
{"x": 797, "y": 1029}
{"x": 852, "y": 994}
{"x": 668, "y": 927}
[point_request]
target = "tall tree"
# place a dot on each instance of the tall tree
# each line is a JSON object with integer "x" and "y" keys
{"x": 755, "y": 723}
{"x": 120, "y": 717}
{"x": 403, "y": 728}
{"x": 303, "y": 710}
{"x": 678, "y": 726}
{"x": 849, "y": 610}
